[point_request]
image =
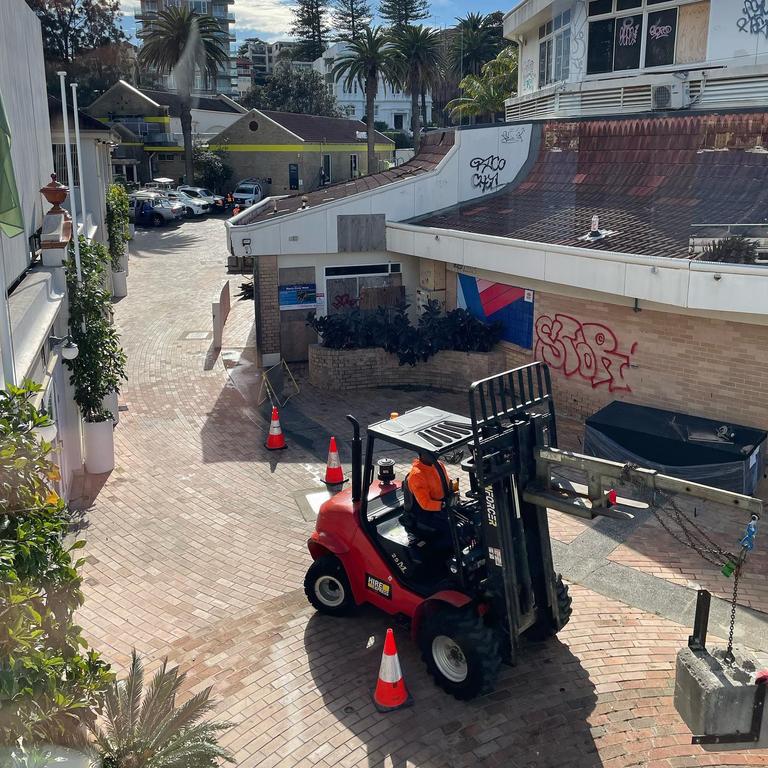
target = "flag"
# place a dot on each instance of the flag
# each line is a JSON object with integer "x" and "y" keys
{"x": 11, "y": 219}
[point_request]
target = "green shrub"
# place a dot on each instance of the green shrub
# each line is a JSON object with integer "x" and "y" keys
{"x": 99, "y": 367}
{"x": 391, "y": 329}
{"x": 117, "y": 223}
{"x": 730, "y": 250}
{"x": 50, "y": 690}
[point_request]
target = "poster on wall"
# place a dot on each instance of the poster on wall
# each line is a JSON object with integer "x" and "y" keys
{"x": 499, "y": 302}
{"x": 297, "y": 296}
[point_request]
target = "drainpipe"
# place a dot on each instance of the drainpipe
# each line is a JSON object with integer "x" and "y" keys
{"x": 80, "y": 156}
{"x": 70, "y": 178}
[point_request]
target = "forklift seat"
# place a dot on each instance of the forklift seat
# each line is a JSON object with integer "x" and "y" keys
{"x": 410, "y": 519}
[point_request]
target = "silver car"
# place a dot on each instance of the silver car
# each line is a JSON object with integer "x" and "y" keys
{"x": 154, "y": 209}
{"x": 193, "y": 206}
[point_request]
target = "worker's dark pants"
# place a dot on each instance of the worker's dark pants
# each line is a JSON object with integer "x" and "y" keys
{"x": 438, "y": 522}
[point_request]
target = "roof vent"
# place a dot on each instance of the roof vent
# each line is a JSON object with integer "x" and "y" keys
{"x": 595, "y": 233}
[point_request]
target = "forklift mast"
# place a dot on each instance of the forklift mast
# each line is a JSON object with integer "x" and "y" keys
{"x": 514, "y": 455}
{"x": 513, "y": 415}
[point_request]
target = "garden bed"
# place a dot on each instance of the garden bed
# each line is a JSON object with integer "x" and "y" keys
{"x": 375, "y": 367}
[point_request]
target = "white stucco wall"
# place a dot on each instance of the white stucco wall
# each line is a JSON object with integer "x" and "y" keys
{"x": 481, "y": 161}
{"x": 23, "y": 91}
{"x": 206, "y": 122}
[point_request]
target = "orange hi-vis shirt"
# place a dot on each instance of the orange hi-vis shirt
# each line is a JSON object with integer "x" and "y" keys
{"x": 426, "y": 485}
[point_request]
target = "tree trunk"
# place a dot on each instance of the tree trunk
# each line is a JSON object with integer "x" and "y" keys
{"x": 186, "y": 130}
{"x": 370, "y": 96}
{"x": 415, "y": 118}
{"x": 424, "y": 119}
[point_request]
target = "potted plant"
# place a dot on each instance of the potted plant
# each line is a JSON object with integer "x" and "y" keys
{"x": 117, "y": 230}
{"x": 99, "y": 366}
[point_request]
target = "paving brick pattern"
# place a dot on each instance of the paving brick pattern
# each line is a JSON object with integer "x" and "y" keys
{"x": 196, "y": 551}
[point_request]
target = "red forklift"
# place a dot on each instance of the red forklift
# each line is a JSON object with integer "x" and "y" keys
{"x": 470, "y": 606}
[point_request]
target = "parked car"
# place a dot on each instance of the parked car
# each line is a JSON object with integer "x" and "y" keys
{"x": 216, "y": 202}
{"x": 154, "y": 209}
{"x": 193, "y": 206}
{"x": 248, "y": 192}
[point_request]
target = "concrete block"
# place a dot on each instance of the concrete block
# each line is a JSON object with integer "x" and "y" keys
{"x": 715, "y": 698}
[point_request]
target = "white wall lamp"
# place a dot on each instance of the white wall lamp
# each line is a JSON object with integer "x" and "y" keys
{"x": 67, "y": 347}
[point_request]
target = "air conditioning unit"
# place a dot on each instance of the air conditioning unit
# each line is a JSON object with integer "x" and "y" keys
{"x": 675, "y": 95}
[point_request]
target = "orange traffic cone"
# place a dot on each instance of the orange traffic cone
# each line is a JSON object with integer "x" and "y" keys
{"x": 391, "y": 692}
{"x": 334, "y": 474}
{"x": 275, "y": 438}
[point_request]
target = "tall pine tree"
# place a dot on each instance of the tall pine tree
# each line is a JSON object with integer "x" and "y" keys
{"x": 400, "y": 13}
{"x": 311, "y": 27}
{"x": 349, "y": 17}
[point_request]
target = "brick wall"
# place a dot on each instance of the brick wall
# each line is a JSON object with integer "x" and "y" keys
{"x": 361, "y": 368}
{"x": 601, "y": 352}
{"x": 705, "y": 366}
{"x": 267, "y": 308}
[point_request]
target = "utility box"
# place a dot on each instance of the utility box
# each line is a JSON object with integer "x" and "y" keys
{"x": 720, "y": 701}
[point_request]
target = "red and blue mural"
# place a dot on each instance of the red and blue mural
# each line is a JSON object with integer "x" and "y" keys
{"x": 499, "y": 302}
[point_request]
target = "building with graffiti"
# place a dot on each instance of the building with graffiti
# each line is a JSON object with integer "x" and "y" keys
{"x": 585, "y": 223}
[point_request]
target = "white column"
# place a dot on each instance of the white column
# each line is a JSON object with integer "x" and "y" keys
{"x": 80, "y": 156}
{"x": 70, "y": 175}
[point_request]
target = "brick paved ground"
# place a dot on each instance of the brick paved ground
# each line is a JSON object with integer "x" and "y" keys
{"x": 195, "y": 550}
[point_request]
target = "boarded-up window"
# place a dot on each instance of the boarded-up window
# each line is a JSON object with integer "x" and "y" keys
{"x": 692, "y": 28}
{"x": 660, "y": 38}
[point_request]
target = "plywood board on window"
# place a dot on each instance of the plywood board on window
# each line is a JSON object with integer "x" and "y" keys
{"x": 692, "y": 28}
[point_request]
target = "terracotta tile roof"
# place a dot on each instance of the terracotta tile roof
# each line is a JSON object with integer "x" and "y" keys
{"x": 319, "y": 128}
{"x": 647, "y": 179}
{"x": 433, "y": 149}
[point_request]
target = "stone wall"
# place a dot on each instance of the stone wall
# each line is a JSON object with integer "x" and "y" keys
{"x": 373, "y": 367}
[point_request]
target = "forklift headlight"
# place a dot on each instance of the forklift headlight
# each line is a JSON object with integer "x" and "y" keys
{"x": 386, "y": 471}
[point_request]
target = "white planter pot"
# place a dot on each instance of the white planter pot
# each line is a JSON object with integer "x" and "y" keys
{"x": 53, "y": 257}
{"x": 119, "y": 284}
{"x": 99, "y": 443}
{"x": 132, "y": 230}
{"x": 124, "y": 260}
{"x": 110, "y": 404}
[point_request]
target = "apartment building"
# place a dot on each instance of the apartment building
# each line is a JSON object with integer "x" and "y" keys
{"x": 226, "y": 78}
{"x": 392, "y": 106}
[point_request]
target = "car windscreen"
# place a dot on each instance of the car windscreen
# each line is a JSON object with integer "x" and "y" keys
{"x": 206, "y": 193}
{"x": 245, "y": 189}
{"x": 191, "y": 193}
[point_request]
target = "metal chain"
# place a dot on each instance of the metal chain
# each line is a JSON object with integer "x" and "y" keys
{"x": 729, "y": 657}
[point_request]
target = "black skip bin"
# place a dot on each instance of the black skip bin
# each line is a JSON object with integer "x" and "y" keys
{"x": 717, "y": 453}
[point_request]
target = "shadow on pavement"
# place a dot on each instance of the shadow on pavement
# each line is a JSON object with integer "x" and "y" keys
{"x": 536, "y": 717}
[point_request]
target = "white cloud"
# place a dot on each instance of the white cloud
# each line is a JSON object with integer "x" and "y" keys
{"x": 268, "y": 19}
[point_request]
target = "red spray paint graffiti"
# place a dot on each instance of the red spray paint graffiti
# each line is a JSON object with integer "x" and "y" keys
{"x": 589, "y": 350}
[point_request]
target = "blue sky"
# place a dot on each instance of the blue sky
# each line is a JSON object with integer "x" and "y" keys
{"x": 270, "y": 19}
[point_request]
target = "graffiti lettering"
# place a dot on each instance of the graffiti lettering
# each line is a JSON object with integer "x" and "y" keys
{"x": 512, "y": 137}
{"x": 657, "y": 31}
{"x": 754, "y": 19}
{"x": 341, "y": 300}
{"x": 628, "y": 32}
{"x": 588, "y": 350}
{"x": 487, "y": 170}
{"x": 529, "y": 76}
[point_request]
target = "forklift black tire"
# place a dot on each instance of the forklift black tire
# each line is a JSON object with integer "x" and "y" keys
{"x": 460, "y": 651}
{"x": 157, "y": 220}
{"x": 545, "y": 629}
{"x": 327, "y": 587}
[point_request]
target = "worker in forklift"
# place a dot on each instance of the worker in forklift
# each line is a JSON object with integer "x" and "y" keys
{"x": 428, "y": 483}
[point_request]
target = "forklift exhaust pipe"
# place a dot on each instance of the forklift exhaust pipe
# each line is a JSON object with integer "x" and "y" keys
{"x": 357, "y": 459}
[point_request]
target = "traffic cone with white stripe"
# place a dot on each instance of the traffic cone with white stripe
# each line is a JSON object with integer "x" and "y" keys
{"x": 390, "y": 693}
{"x": 334, "y": 474}
{"x": 275, "y": 438}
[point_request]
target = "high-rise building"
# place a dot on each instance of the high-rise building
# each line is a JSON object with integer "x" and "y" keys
{"x": 226, "y": 79}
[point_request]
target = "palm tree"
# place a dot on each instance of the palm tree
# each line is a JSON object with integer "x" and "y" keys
{"x": 419, "y": 59}
{"x": 485, "y": 95}
{"x": 182, "y": 40}
{"x": 364, "y": 61}
{"x": 150, "y": 731}
{"x": 476, "y": 40}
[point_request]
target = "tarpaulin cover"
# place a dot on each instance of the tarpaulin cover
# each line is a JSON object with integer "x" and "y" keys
{"x": 717, "y": 453}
